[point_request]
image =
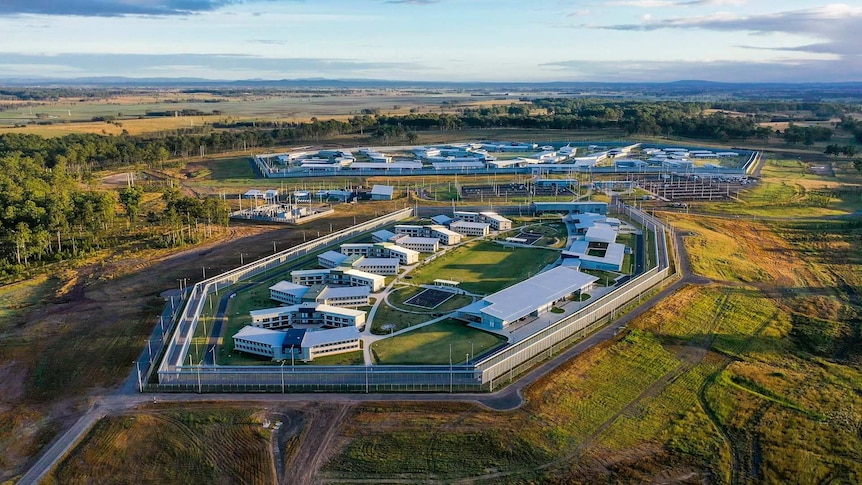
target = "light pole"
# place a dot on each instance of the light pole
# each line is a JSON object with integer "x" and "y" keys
{"x": 282, "y": 373}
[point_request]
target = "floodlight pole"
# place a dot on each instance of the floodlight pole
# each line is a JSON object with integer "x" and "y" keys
{"x": 282, "y": 373}
{"x": 140, "y": 382}
{"x": 451, "y": 370}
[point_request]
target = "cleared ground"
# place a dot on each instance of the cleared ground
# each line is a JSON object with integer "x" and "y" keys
{"x": 225, "y": 446}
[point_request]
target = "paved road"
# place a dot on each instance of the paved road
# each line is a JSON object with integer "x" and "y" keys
{"x": 508, "y": 398}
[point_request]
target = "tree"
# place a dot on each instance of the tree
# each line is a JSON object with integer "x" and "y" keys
{"x": 131, "y": 197}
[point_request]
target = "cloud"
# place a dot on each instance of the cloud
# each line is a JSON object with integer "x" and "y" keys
{"x": 673, "y": 3}
{"x": 412, "y": 2}
{"x": 836, "y": 24}
{"x": 219, "y": 66}
{"x": 719, "y": 71}
{"x": 111, "y": 8}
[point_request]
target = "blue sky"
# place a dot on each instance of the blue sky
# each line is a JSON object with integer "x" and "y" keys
{"x": 435, "y": 40}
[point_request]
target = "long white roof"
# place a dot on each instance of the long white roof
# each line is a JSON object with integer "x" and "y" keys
{"x": 263, "y": 336}
{"x": 321, "y": 337}
{"x": 528, "y": 296}
{"x": 334, "y": 256}
{"x": 288, "y": 287}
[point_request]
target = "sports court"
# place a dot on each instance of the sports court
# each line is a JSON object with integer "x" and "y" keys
{"x": 429, "y": 298}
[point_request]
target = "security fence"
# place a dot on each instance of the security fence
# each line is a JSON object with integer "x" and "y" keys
{"x": 187, "y": 321}
{"x": 486, "y": 374}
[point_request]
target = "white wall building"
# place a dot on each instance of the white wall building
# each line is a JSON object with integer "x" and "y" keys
{"x": 300, "y": 344}
{"x": 471, "y": 228}
{"x": 497, "y": 222}
{"x": 338, "y": 276}
{"x": 306, "y": 315}
{"x": 420, "y": 244}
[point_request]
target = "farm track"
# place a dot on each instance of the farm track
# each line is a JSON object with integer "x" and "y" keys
{"x": 317, "y": 443}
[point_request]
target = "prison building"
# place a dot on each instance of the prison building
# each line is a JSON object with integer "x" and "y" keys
{"x": 467, "y": 216}
{"x": 529, "y": 298}
{"x": 597, "y": 250}
{"x": 294, "y": 294}
{"x": 382, "y": 236}
{"x": 288, "y": 292}
{"x": 420, "y": 244}
{"x": 338, "y": 276}
{"x": 300, "y": 344}
{"x": 307, "y": 315}
{"x": 380, "y": 266}
{"x": 442, "y": 220}
{"x": 497, "y": 222}
{"x": 382, "y": 192}
{"x": 471, "y": 228}
{"x": 382, "y": 250}
{"x": 570, "y": 207}
{"x": 445, "y": 236}
{"x": 411, "y": 230}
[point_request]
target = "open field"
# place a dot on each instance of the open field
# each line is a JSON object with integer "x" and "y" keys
{"x": 431, "y": 344}
{"x": 172, "y": 447}
{"x": 792, "y": 188}
{"x": 485, "y": 267}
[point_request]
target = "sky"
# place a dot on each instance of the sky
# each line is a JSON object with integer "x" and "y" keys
{"x": 435, "y": 40}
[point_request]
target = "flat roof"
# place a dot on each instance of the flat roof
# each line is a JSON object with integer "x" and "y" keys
{"x": 263, "y": 336}
{"x": 469, "y": 224}
{"x": 382, "y": 190}
{"x": 443, "y": 230}
{"x": 363, "y": 274}
{"x": 601, "y": 233}
{"x": 322, "y": 337}
{"x": 287, "y": 286}
{"x": 387, "y": 166}
{"x": 494, "y": 216}
{"x": 333, "y": 256}
{"x": 383, "y": 234}
{"x": 527, "y": 296}
{"x": 380, "y": 261}
{"x": 344, "y": 292}
{"x": 418, "y": 240}
{"x": 403, "y": 250}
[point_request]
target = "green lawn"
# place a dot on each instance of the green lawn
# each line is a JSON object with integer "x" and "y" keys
{"x": 399, "y": 320}
{"x": 231, "y": 168}
{"x": 485, "y": 267}
{"x": 430, "y": 344}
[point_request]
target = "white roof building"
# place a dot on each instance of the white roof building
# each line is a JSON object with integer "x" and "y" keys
{"x": 531, "y": 297}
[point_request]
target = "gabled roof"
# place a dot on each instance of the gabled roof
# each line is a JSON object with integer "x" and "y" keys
{"x": 521, "y": 299}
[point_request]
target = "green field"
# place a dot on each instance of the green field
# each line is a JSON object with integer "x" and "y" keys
{"x": 393, "y": 319}
{"x": 431, "y": 344}
{"x": 485, "y": 267}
